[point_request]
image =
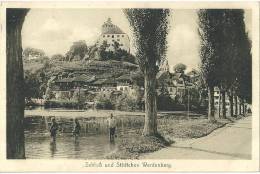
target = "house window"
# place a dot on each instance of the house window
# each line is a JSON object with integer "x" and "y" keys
{"x": 121, "y": 89}
{"x": 118, "y": 35}
{"x": 112, "y": 36}
{"x": 118, "y": 40}
{"x": 104, "y": 36}
{"x": 122, "y": 35}
{"x": 108, "y": 35}
{"x": 125, "y": 88}
{"x": 121, "y": 45}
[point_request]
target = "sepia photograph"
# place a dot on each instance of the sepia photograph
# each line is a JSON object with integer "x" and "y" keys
{"x": 130, "y": 83}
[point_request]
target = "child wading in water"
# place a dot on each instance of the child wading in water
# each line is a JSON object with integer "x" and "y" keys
{"x": 76, "y": 129}
{"x": 53, "y": 129}
{"x": 112, "y": 128}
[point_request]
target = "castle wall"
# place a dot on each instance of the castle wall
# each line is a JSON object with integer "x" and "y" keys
{"x": 122, "y": 39}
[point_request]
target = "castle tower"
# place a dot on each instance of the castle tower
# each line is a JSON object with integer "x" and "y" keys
{"x": 111, "y": 33}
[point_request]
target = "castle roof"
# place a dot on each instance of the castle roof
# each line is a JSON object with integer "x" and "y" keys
{"x": 109, "y": 28}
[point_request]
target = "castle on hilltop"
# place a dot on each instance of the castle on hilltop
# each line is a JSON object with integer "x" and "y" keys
{"x": 111, "y": 33}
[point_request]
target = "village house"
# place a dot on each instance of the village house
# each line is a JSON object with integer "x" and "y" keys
{"x": 175, "y": 83}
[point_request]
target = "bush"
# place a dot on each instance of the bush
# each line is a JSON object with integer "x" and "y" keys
{"x": 62, "y": 104}
{"x": 129, "y": 101}
{"x": 103, "y": 101}
{"x": 104, "y": 104}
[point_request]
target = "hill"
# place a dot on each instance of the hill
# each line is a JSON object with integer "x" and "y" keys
{"x": 38, "y": 72}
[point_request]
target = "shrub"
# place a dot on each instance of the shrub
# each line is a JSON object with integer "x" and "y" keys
{"x": 103, "y": 101}
{"x": 62, "y": 104}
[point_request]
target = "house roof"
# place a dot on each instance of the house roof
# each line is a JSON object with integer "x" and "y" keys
{"x": 114, "y": 30}
{"x": 104, "y": 81}
{"x": 176, "y": 76}
{"x": 124, "y": 77}
{"x": 52, "y": 78}
{"x": 83, "y": 78}
{"x": 99, "y": 81}
{"x": 109, "y": 28}
{"x": 162, "y": 75}
{"x": 65, "y": 80}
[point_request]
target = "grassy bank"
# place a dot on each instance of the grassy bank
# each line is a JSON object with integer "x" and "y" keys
{"x": 133, "y": 144}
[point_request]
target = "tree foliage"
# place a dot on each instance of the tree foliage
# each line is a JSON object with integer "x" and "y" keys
{"x": 150, "y": 28}
{"x": 57, "y": 57}
{"x": 77, "y": 51}
{"x": 117, "y": 53}
{"x": 209, "y": 28}
{"x": 32, "y": 52}
{"x": 179, "y": 68}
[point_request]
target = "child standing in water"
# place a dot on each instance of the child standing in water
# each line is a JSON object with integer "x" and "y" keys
{"x": 76, "y": 129}
{"x": 112, "y": 128}
{"x": 53, "y": 129}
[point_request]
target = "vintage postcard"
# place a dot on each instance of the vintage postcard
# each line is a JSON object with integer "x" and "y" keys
{"x": 129, "y": 86}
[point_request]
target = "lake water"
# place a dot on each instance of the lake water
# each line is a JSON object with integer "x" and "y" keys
{"x": 93, "y": 142}
{"x": 86, "y": 147}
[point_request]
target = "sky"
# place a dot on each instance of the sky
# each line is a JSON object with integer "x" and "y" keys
{"x": 54, "y": 31}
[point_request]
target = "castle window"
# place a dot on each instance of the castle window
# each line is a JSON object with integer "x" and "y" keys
{"x": 112, "y": 36}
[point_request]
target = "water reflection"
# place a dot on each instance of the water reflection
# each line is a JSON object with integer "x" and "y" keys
{"x": 53, "y": 148}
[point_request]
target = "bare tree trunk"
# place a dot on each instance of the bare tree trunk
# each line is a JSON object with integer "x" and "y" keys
{"x": 15, "y": 96}
{"x": 236, "y": 111}
{"x": 240, "y": 111}
{"x": 243, "y": 108}
{"x": 211, "y": 109}
{"x": 223, "y": 104}
{"x": 219, "y": 106}
{"x": 150, "y": 125}
{"x": 230, "y": 97}
{"x": 231, "y": 105}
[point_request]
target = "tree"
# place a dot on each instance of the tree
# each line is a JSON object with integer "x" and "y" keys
{"x": 57, "y": 57}
{"x": 150, "y": 28}
{"x": 31, "y": 85}
{"x": 34, "y": 52}
{"x": 117, "y": 54}
{"x": 15, "y": 95}
{"x": 239, "y": 47}
{"x": 244, "y": 78}
{"x": 77, "y": 50}
{"x": 229, "y": 33}
{"x": 180, "y": 68}
{"x": 209, "y": 28}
